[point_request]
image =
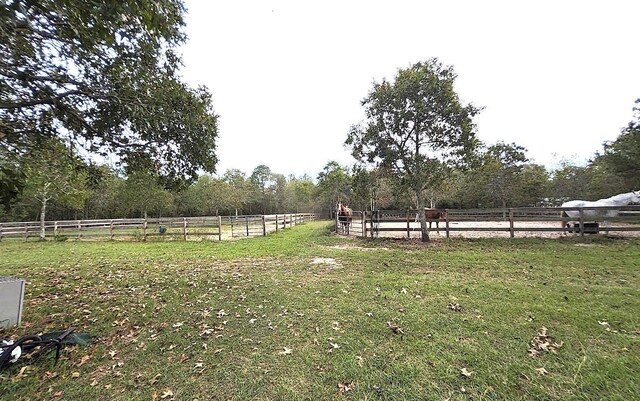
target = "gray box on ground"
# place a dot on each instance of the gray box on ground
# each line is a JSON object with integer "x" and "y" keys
{"x": 11, "y": 296}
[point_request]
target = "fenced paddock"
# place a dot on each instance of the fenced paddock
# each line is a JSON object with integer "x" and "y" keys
{"x": 509, "y": 222}
{"x": 171, "y": 228}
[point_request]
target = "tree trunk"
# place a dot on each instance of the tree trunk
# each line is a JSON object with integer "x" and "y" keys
{"x": 43, "y": 212}
{"x": 423, "y": 220}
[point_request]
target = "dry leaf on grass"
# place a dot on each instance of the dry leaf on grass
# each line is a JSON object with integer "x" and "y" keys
{"x": 345, "y": 387}
{"x": 454, "y": 306}
{"x": 464, "y": 372}
{"x": 155, "y": 379}
{"x": 543, "y": 342}
{"x": 167, "y": 392}
{"x": 84, "y": 360}
{"x": 395, "y": 328}
{"x": 285, "y": 351}
{"x": 542, "y": 371}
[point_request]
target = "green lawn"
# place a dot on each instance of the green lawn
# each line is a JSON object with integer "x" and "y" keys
{"x": 256, "y": 320}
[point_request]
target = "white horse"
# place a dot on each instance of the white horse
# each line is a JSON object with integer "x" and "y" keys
{"x": 617, "y": 200}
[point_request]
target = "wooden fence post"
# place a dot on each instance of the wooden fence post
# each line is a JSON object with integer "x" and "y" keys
{"x": 511, "y": 222}
{"x": 363, "y": 218}
{"x": 264, "y": 226}
{"x": 184, "y": 228}
{"x": 408, "y": 226}
{"x": 446, "y": 221}
{"x": 144, "y": 229}
{"x": 111, "y": 229}
{"x": 231, "y": 220}
{"x": 219, "y": 228}
{"x": 246, "y": 222}
{"x": 0, "y": 231}
{"x": 79, "y": 229}
{"x": 373, "y": 216}
{"x": 581, "y": 222}
{"x": 26, "y": 231}
{"x": 284, "y": 221}
{"x": 277, "y": 223}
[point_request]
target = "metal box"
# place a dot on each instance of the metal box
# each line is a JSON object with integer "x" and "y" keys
{"x": 11, "y": 297}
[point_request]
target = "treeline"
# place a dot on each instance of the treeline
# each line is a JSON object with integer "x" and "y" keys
{"x": 52, "y": 181}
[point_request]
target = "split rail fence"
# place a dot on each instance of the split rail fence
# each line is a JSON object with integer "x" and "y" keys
{"x": 509, "y": 220}
{"x": 208, "y": 227}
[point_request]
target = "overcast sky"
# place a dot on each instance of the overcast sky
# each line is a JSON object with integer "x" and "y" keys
{"x": 287, "y": 77}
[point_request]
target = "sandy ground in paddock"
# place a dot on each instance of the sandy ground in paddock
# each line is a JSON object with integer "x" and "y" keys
{"x": 493, "y": 234}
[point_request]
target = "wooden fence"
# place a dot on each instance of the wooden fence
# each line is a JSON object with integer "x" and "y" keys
{"x": 509, "y": 220}
{"x": 209, "y": 227}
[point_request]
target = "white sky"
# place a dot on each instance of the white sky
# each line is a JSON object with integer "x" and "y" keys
{"x": 287, "y": 77}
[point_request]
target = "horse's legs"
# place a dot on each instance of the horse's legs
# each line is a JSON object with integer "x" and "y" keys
{"x": 438, "y": 228}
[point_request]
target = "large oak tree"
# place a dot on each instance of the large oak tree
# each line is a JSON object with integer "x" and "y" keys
{"x": 103, "y": 75}
{"x": 416, "y": 127}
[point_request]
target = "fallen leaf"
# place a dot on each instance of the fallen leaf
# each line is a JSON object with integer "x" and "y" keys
{"x": 22, "y": 372}
{"x": 395, "y": 328}
{"x": 454, "y": 306}
{"x": 465, "y": 372}
{"x": 286, "y": 351}
{"x": 345, "y": 387}
{"x": 166, "y": 393}
{"x": 58, "y": 394}
{"x": 543, "y": 342}
{"x": 84, "y": 360}
{"x": 155, "y": 379}
{"x": 75, "y": 375}
{"x": 542, "y": 371}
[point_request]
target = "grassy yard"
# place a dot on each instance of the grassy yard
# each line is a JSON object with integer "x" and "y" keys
{"x": 377, "y": 320}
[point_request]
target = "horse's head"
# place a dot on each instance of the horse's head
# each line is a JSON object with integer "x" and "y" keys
{"x": 636, "y": 196}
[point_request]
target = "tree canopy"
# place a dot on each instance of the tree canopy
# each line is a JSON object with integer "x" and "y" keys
{"x": 623, "y": 155}
{"x": 103, "y": 75}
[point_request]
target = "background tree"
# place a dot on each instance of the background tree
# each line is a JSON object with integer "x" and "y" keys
{"x": 262, "y": 183}
{"x": 299, "y": 195}
{"x": 334, "y": 184}
{"x": 416, "y": 128}
{"x": 622, "y": 156}
{"x": 240, "y": 188}
{"x": 53, "y": 173}
{"x": 103, "y": 184}
{"x": 103, "y": 75}
{"x": 503, "y": 163}
{"x": 141, "y": 195}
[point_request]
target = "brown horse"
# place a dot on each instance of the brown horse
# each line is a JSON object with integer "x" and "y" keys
{"x": 345, "y": 216}
{"x": 434, "y": 215}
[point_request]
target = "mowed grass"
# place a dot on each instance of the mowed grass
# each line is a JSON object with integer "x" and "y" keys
{"x": 256, "y": 320}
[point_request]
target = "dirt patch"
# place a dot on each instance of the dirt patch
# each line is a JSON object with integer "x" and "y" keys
{"x": 325, "y": 261}
{"x": 495, "y": 229}
{"x": 355, "y": 248}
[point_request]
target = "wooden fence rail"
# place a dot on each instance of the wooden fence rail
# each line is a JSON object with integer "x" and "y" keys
{"x": 513, "y": 220}
{"x": 210, "y": 227}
